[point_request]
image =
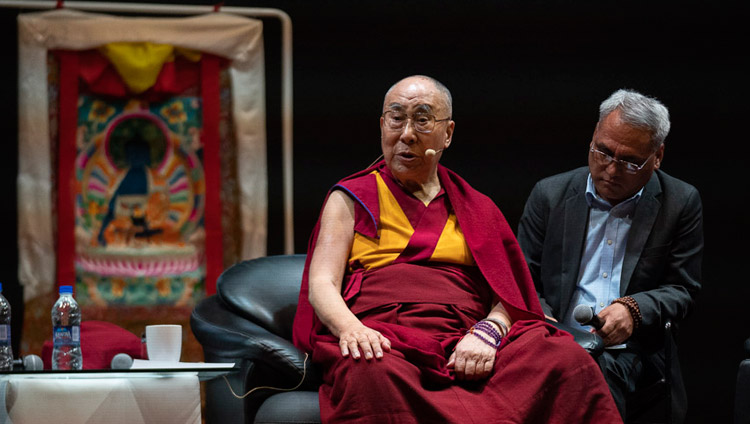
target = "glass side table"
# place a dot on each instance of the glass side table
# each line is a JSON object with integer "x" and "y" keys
{"x": 132, "y": 396}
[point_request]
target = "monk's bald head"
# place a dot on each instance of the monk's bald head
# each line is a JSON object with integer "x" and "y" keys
{"x": 444, "y": 95}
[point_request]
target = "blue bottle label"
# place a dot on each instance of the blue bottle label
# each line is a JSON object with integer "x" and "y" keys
{"x": 4, "y": 335}
{"x": 66, "y": 335}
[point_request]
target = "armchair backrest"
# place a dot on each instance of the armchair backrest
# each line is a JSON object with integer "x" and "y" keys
{"x": 264, "y": 290}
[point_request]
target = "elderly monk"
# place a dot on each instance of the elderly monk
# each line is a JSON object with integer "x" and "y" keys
{"x": 416, "y": 300}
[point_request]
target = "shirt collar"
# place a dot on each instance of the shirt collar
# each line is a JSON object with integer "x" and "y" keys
{"x": 622, "y": 209}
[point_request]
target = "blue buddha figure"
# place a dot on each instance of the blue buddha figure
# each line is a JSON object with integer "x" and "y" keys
{"x": 133, "y": 145}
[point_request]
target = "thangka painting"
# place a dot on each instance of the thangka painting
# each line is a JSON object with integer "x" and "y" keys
{"x": 140, "y": 200}
{"x": 142, "y": 164}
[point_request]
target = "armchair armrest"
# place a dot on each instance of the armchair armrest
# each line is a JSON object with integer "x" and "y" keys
{"x": 263, "y": 359}
{"x": 226, "y": 336}
{"x": 592, "y": 343}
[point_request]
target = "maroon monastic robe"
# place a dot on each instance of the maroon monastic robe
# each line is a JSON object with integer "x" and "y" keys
{"x": 540, "y": 374}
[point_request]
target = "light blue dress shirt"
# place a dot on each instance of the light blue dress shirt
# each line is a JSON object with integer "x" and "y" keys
{"x": 603, "y": 254}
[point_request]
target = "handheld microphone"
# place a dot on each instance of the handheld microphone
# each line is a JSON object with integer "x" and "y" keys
{"x": 29, "y": 363}
{"x": 584, "y": 315}
{"x": 121, "y": 361}
{"x": 432, "y": 152}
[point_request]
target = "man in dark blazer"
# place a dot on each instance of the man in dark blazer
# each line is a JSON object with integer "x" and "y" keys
{"x": 622, "y": 237}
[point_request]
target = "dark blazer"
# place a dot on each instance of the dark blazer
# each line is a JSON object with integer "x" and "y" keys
{"x": 662, "y": 265}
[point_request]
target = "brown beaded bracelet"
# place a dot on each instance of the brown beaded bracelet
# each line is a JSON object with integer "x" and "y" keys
{"x": 633, "y": 308}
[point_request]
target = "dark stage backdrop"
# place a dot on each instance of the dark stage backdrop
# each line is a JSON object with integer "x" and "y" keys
{"x": 527, "y": 78}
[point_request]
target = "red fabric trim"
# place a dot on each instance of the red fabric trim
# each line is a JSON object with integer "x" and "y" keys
{"x": 176, "y": 77}
{"x": 66, "y": 154}
{"x": 210, "y": 66}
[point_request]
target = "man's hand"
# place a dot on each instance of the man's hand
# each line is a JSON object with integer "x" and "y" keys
{"x": 371, "y": 343}
{"x": 618, "y": 324}
{"x": 473, "y": 359}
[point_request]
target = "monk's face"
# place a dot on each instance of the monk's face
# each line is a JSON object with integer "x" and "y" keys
{"x": 415, "y": 101}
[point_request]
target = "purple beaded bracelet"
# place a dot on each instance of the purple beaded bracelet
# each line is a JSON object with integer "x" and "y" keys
{"x": 483, "y": 330}
{"x": 486, "y": 327}
{"x": 499, "y": 323}
{"x": 478, "y": 334}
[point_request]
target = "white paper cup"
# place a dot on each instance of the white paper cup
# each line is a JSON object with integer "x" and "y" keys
{"x": 164, "y": 342}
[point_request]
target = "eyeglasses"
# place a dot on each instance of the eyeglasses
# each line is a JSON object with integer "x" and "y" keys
{"x": 606, "y": 159}
{"x": 422, "y": 122}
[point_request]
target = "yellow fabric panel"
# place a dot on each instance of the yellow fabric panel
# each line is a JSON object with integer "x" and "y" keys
{"x": 395, "y": 232}
{"x": 451, "y": 246}
{"x": 139, "y": 63}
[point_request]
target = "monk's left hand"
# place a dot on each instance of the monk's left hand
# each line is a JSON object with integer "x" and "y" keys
{"x": 472, "y": 359}
{"x": 618, "y": 324}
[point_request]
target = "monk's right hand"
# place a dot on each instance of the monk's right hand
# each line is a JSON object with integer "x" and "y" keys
{"x": 361, "y": 340}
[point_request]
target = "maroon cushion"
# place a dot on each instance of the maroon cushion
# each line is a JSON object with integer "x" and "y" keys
{"x": 100, "y": 342}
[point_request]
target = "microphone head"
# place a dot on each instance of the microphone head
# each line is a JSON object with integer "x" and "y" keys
{"x": 121, "y": 361}
{"x": 583, "y": 314}
{"x": 32, "y": 363}
{"x": 432, "y": 152}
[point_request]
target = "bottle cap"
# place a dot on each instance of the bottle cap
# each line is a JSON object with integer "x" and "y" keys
{"x": 66, "y": 289}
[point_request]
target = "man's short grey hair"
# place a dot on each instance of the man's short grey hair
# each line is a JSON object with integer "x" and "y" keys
{"x": 439, "y": 85}
{"x": 639, "y": 111}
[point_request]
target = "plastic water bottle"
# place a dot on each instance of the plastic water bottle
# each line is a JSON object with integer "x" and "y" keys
{"x": 6, "y": 349}
{"x": 66, "y": 332}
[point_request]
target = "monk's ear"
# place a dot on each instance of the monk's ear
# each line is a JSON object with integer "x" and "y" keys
{"x": 449, "y": 134}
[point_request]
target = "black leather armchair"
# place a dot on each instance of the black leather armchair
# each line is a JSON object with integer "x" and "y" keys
{"x": 657, "y": 399}
{"x": 742, "y": 389}
{"x": 249, "y": 322}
